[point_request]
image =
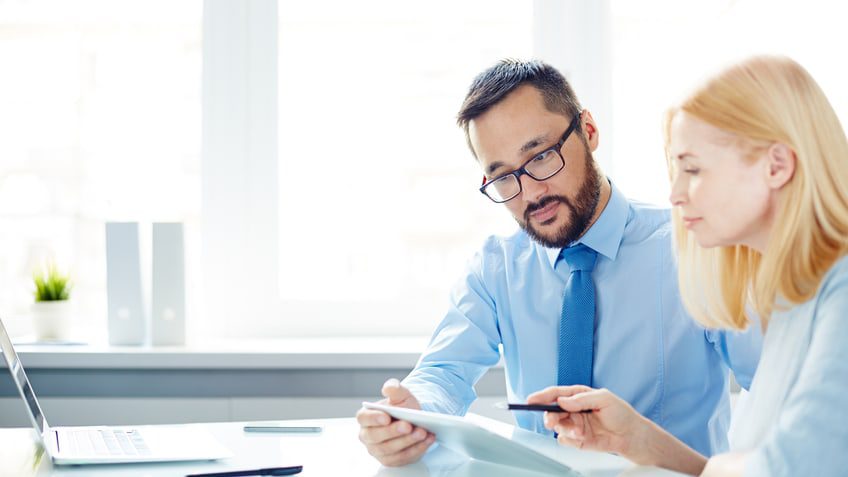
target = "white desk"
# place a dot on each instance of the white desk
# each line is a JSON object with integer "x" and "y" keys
{"x": 334, "y": 452}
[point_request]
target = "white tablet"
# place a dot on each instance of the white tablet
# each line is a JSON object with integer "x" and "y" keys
{"x": 461, "y": 435}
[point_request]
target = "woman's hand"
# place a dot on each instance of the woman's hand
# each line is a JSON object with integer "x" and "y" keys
{"x": 609, "y": 424}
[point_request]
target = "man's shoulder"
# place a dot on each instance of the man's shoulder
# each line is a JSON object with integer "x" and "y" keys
{"x": 508, "y": 245}
{"x": 647, "y": 222}
{"x": 500, "y": 253}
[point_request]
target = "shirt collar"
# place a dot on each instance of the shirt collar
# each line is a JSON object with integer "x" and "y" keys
{"x": 604, "y": 236}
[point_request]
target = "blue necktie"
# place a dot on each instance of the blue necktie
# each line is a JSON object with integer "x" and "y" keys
{"x": 577, "y": 326}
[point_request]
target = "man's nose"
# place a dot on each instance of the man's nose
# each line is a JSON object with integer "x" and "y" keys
{"x": 531, "y": 189}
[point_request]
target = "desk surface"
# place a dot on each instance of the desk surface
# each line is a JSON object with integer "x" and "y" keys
{"x": 334, "y": 452}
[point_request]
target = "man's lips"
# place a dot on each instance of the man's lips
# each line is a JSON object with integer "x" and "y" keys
{"x": 545, "y": 213}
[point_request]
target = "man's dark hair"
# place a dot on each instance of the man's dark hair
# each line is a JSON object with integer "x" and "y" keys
{"x": 494, "y": 84}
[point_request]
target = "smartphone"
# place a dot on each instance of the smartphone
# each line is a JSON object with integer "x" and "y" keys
{"x": 282, "y": 428}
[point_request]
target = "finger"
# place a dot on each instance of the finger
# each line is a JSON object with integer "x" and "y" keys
{"x": 590, "y": 400}
{"x": 372, "y": 417}
{"x": 550, "y": 394}
{"x": 395, "y": 393}
{"x": 399, "y": 444}
{"x": 553, "y": 419}
{"x": 380, "y": 434}
{"x": 566, "y": 421}
{"x": 410, "y": 454}
{"x": 563, "y": 438}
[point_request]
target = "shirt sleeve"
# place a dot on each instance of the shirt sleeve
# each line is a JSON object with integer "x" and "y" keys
{"x": 740, "y": 350}
{"x": 463, "y": 347}
{"x": 811, "y": 435}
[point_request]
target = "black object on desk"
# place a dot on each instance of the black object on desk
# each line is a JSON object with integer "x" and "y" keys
{"x": 295, "y": 469}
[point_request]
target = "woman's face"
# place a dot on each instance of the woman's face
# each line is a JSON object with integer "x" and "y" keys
{"x": 722, "y": 193}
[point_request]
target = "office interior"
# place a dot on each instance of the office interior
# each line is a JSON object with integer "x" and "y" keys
{"x": 308, "y": 152}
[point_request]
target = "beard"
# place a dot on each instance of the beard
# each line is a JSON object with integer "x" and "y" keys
{"x": 582, "y": 210}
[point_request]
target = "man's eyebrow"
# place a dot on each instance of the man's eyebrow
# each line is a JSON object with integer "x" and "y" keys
{"x": 533, "y": 144}
{"x": 527, "y": 147}
{"x": 493, "y": 167}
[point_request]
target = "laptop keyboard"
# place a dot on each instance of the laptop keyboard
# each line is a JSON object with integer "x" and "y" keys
{"x": 107, "y": 442}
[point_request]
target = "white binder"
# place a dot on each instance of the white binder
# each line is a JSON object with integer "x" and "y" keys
{"x": 168, "y": 325}
{"x": 126, "y": 317}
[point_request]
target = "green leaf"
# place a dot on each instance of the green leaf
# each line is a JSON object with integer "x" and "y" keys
{"x": 50, "y": 285}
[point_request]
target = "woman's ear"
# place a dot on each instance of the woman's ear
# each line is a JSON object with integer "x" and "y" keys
{"x": 781, "y": 162}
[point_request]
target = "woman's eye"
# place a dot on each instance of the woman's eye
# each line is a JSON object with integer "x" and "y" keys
{"x": 692, "y": 171}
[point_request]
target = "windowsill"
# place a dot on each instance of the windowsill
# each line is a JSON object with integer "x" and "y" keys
{"x": 291, "y": 353}
{"x": 261, "y": 368}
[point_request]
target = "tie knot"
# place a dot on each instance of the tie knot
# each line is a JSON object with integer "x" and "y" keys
{"x": 579, "y": 258}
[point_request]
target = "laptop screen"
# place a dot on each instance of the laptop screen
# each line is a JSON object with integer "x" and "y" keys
{"x": 20, "y": 379}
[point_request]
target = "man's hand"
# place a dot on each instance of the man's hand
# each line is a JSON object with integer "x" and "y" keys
{"x": 393, "y": 443}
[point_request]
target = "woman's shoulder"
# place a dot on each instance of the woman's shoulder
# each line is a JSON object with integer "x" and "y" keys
{"x": 835, "y": 280}
{"x": 831, "y": 304}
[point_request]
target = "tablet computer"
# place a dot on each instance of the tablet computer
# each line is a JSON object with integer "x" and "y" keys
{"x": 461, "y": 435}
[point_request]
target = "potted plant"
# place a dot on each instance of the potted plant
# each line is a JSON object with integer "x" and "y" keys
{"x": 51, "y": 311}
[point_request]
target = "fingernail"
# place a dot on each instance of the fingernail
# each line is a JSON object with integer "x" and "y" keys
{"x": 419, "y": 434}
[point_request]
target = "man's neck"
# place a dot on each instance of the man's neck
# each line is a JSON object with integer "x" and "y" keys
{"x": 603, "y": 200}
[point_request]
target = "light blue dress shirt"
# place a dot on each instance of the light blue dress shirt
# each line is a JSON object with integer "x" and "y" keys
{"x": 647, "y": 349}
{"x": 794, "y": 421}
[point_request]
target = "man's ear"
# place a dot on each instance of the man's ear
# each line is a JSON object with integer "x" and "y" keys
{"x": 781, "y": 161}
{"x": 590, "y": 129}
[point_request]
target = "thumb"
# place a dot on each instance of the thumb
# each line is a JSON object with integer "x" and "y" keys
{"x": 395, "y": 393}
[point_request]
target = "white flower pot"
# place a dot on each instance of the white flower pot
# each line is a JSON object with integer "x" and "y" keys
{"x": 51, "y": 320}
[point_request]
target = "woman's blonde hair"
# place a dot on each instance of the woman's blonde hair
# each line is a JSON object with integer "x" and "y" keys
{"x": 765, "y": 100}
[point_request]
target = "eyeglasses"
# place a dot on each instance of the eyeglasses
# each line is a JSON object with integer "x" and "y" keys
{"x": 542, "y": 166}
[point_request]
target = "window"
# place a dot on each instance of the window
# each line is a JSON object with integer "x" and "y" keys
{"x": 336, "y": 194}
{"x": 99, "y": 120}
{"x": 379, "y": 208}
{"x": 661, "y": 48}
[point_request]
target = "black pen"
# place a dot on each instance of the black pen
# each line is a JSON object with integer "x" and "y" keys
{"x": 295, "y": 469}
{"x": 534, "y": 407}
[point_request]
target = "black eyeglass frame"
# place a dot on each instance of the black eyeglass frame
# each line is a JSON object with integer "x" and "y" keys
{"x": 573, "y": 126}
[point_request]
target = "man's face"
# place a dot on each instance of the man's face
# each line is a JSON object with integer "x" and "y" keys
{"x": 558, "y": 210}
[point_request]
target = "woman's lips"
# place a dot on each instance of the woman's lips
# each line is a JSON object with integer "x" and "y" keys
{"x": 690, "y": 222}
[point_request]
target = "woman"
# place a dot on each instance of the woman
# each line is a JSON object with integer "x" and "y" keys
{"x": 759, "y": 168}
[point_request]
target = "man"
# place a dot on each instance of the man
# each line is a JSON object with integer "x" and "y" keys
{"x": 586, "y": 292}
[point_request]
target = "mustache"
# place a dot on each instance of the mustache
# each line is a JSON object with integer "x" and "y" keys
{"x": 544, "y": 202}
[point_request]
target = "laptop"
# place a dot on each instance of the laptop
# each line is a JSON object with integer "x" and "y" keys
{"x": 109, "y": 445}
